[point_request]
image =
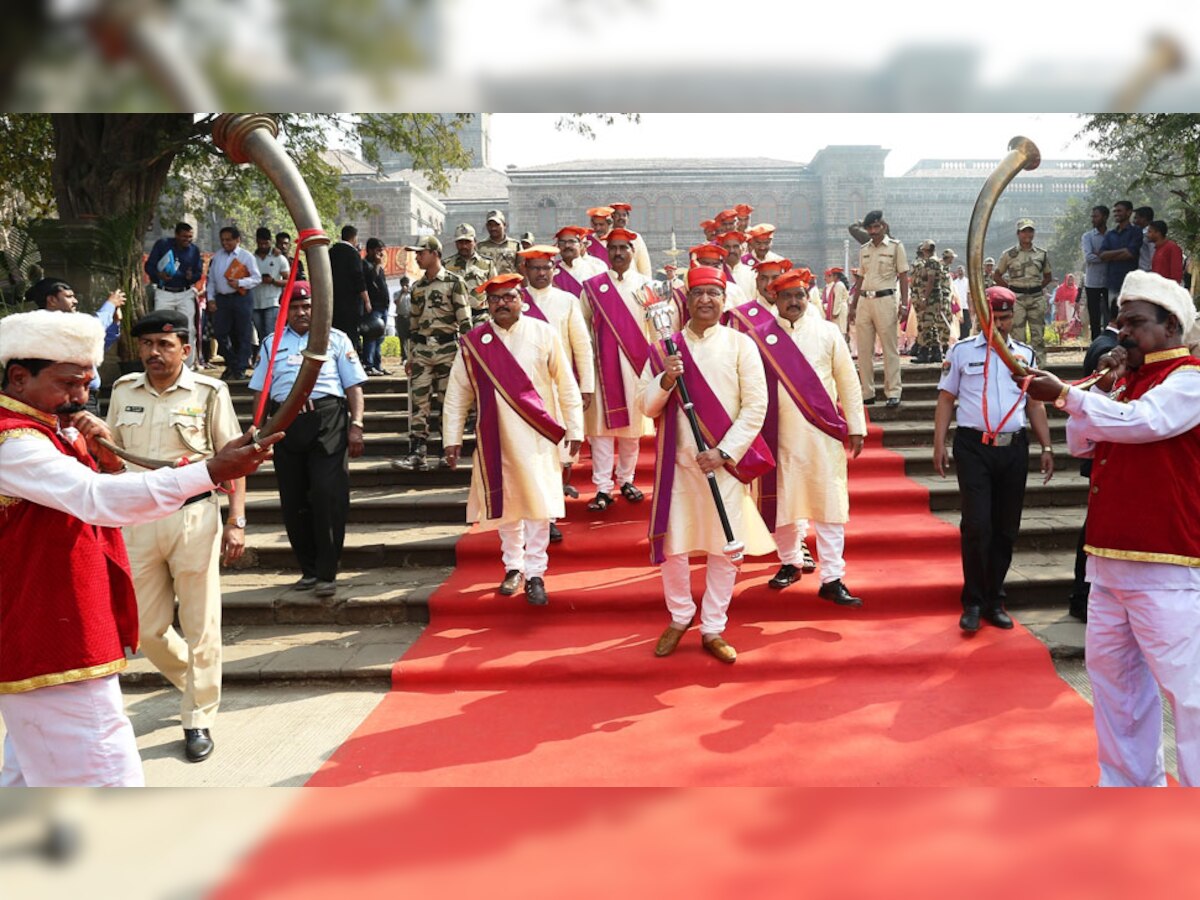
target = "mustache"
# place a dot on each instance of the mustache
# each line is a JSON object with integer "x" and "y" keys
{"x": 1128, "y": 343}
{"x": 69, "y": 409}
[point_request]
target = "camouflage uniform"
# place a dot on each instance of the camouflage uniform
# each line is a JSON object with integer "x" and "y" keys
{"x": 440, "y": 313}
{"x": 474, "y": 271}
{"x": 503, "y": 254}
{"x": 933, "y": 323}
{"x": 1025, "y": 272}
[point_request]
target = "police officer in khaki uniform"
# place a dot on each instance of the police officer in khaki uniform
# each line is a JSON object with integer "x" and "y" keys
{"x": 473, "y": 268}
{"x": 170, "y": 412}
{"x": 499, "y": 247}
{"x": 882, "y": 266}
{"x": 1025, "y": 270}
{"x": 440, "y": 313}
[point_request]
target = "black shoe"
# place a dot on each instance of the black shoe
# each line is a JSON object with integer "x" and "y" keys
{"x": 837, "y": 592}
{"x": 868, "y": 401}
{"x": 1077, "y": 608}
{"x": 785, "y": 576}
{"x": 307, "y": 583}
{"x": 197, "y": 744}
{"x": 921, "y": 356}
{"x": 511, "y": 583}
{"x": 416, "y": 458}
{"x": 809, "y": 565}
{"x": 555, "y": 534}
{"x": 969, "y": 620}
{"x": 535, "y": 592}
{"x": 999, "y": 618}
{"x": 326, "y": 588}
{"x": 935, "y": 355}
{"x": 892, "y": 402}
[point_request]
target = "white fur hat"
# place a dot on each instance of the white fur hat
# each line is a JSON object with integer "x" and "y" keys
{"x": 56, "y": 336}
{"x": 1153, "y": 288}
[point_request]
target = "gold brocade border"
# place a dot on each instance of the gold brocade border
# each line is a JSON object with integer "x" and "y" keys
{"x": 68, "y": 677}
{"x": 1160, "y": 355}
{"x": 1143, "y": 556}
{"x": 11, "y": 403}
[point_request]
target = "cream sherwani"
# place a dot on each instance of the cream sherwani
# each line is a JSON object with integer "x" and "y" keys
{"x": 746, "y": 279}
{"x": 530, "y": 466}
{"x": 811, "y": 464}
{"x": 841, "y": 307}
{"x": 562, "y": 310}
{"x": 583, "y": 268}
{"x": 641, "y": 257}
{"x": 729, "y": 362}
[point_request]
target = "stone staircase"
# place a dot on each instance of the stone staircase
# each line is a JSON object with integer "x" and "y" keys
{"x": 403, "y": 527}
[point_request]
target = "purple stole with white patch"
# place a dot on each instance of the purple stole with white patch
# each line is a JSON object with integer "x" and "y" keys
{"x": 714, "y": 423}
{"x": 495, "y": 372}
{"x": 597, "y": 248}
{"x": 679, "y": 296}
{"x": 786, "y": 366}
{"x": 618, "y": 334}
{"x": 529, "y": 306}
{"x": 747, "y": 317}
{"x": 565, "y": 281}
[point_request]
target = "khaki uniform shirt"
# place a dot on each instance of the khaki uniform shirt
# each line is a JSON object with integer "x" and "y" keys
{"x": 1024, "y": 268}
{"x": 474, "y": 271}
{"x": 881, "y": 266}
{"x": 194, "y": 416}
{"x": 503, "y": 254}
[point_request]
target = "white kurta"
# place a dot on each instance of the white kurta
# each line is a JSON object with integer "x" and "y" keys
{"x": 641, "y": 257}
{"x": 630, "y": 289}
{"x": 530, "y": 467}
{"x": 811, "y": 464}
{"x": 841, "y": 306}
{"x": 729, "y": 363}
{"x": 746, "y": 279}
{"x": 583, "y": 268}
{"x": 563, "y": 311}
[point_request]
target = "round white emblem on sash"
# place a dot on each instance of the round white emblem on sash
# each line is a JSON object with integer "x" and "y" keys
{"x": 524, "y": 307}
{"x": 752, "y": 311}
{"x": 487, "y": 338}
{"x": 772, "y": 339}
{"x": 603, "y": 288}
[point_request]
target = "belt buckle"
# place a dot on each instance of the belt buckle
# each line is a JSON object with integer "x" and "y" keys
{"x": 1003, "y": 439}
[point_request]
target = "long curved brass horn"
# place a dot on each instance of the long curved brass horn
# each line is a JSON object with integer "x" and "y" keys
{"x": 1023, "y": 155}
{"x": 253, "y": 138}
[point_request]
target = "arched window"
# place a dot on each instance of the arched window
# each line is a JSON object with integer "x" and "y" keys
{"x": 664, "y": 215}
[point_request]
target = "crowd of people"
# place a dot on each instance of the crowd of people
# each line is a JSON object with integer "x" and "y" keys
{"x": 739, "y": 362}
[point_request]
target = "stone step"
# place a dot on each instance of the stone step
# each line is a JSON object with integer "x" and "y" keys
{"x": 1068, "y": 489}
{"x": 919, "y": 460}
{"x": 368, "y": 545}
{"x": 287, "y": 653}
{"x": 376, "y": 471}
{"x": 378, "y": 504}
{"x": 384, "y": 401}
{"x": 900, "y": 434}
{"x": 383, "y": 596}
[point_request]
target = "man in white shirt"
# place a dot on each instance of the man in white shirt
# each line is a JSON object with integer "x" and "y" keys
{"x": 232, "y": 275}
{"x": 274, "y": 268}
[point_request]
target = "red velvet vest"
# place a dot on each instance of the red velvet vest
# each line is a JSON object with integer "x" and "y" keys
{"x": 67, "y": 604}
{"x": 1143, "y": 499}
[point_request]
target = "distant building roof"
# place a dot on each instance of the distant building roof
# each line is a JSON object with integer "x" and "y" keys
{"x": 482, "y": 183}
{"x": 969, "y": 168}
{"x": 659, "y": 164}
{"x": 347, "y": 163}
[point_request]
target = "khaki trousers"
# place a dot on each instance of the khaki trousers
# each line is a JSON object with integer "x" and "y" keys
{"x": 179, "y": 557}
{"x": 877, "y": 315}
{"x": 1030, "y": 310}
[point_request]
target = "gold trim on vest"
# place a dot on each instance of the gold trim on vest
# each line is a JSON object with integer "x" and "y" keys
{"x": 1143, "y": 556}
{"x": 70, "y": 676}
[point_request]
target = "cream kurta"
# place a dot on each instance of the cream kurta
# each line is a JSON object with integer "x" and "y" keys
{"x": 583, "y": 268}
{"x": 530, "y": 465}
{"x": 841, "y": 306}
{"x": 811, "y": 464}
{"x": 641, "y": 257}
{"x": 730, "y": 365}
{"x": 630, "y": 290}
{"x": 563, "y": 311}
{"x": 746, "y": 279}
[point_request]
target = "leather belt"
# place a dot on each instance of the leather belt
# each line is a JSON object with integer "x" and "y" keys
{"x": 173, "y": 290}
{"x": 433, "y": 339}
{"x": 1003, "y": 439}
{"x": 190, "y": 500}
{"x": 309, "y": 405}
{"x": 886, "y": 293}
{"x": 1027, "y": 290}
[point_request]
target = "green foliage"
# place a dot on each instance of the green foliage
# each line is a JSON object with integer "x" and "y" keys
{"x": 390, "y": 346}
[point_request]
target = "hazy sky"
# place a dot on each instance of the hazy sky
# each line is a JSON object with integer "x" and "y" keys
{"x": 525, "y": 139}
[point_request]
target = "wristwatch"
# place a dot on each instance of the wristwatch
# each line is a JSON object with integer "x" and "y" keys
{"x": 1046, "y": 449}
{"x": 357, "y": 423}
{"x": 1060, "y": 402}
{"x": 237, "y": 521}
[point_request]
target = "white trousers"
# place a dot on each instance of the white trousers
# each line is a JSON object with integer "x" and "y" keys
{"x": 69, "y": 735}
{"x": 184, "y": 302}
{"x": 720, "y": 574}
{"x": 831, "y": 544}
{"x": 1137, "y": 642}
{"x": 626, "y": 454}
{"x": 523, "y": 545}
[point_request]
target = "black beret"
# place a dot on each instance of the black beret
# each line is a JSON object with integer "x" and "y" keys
{"x": 875, "y": 215}
{"x": 162, "y": 321}
{"x": 40, "y": 292}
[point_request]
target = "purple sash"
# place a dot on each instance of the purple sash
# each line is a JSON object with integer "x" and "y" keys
{"x": 747, "y": 317}
{"x": 494, "y": 371}
{"x": 679, "y": 296}
{"x": 531, "y": 308}
{"x": 617, "y": 333}
{"x": 714, "y": 424}
{"x": 785, "y": 365}
{"x": 565, "y": 281}
{"x": 749, "y": 259}
{"x": 597, "y": 249}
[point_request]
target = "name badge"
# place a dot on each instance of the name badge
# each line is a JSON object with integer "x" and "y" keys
{"x": 135, "y": 409}
{"x": 295, "y": 359}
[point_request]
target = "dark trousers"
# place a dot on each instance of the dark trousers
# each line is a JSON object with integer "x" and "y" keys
{"x": 314, "y": 487}
{"x": 1097, "y": 304}
{"x": 233, "y": 327}
{"x": 1081, "y": 588}
{"x": 991, "y": 484}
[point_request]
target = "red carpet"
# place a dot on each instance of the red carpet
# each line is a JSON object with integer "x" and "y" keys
{"x": 498, "y": 693}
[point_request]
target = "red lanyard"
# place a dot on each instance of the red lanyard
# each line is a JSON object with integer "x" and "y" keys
{"x": 989, "y": 436}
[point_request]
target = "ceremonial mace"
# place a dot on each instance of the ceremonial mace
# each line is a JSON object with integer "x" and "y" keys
{"x": 254, "y": 138}
{"x": 658, "y": 312}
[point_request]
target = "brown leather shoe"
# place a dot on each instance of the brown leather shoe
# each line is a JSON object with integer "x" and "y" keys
{"x": 511, "y": 584}
{"x": 720, "y": 648}
{"x": 669, "y": 641}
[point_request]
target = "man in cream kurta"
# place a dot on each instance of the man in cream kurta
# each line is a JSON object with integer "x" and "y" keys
{"x": 574, "y": 265}
{"x": 729, "y": 363}
{"x": 714, "y": 255}
{"x": 529, "y": 463}
{"x": 811, "y": 465}
{"x": 641, "y": 253}
{"x": 615, "y": 449}
{"x": 835, "y": 302}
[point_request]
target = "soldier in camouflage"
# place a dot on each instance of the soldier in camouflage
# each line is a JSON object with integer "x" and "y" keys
{"x": 440, "y": 314}
{"x": 931, "y": 281}
{"x": 1025, "y": 270}
{"x": 499, "y": 247}
{"x": 473, "y": 268}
